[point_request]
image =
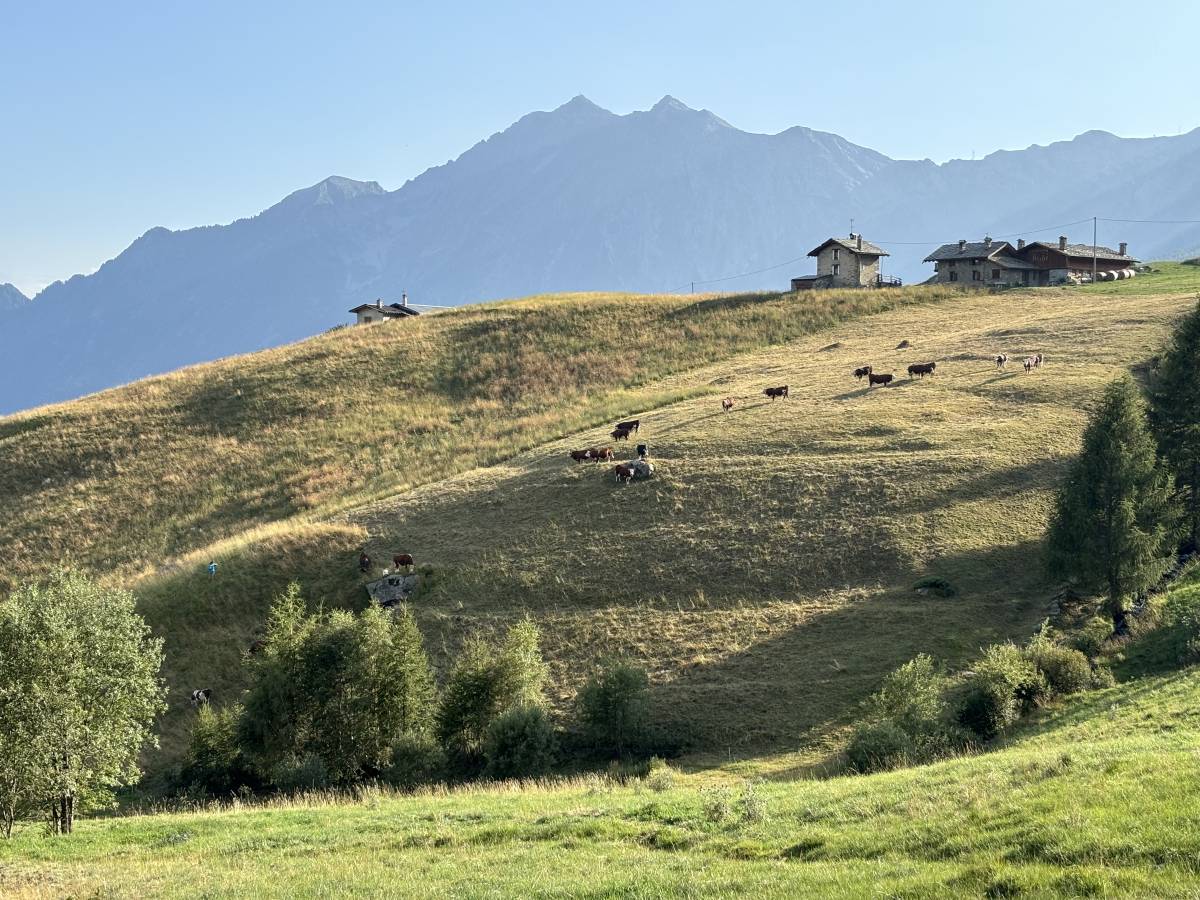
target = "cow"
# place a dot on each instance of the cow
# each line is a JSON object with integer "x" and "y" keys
{"x": 601, "y": 453}
{"x": 773, "y": 392}
{"x": 921, "y": 369}
{"x": 861, "y": 373}
{"x": 200, "y": 697}
{"x": 631, "y": 425}
{"x": 1033, "y": 362}
{"x": 1001, "y": 360}
{"x": 581, "y": 455}
{"x": 623, "y": 472}
{"x": 402, "y": 561}
{"x": 727, "y": 404}
{"x": 364, "y": 563}
{"x": 620, "y": 434}
{"x": 884, "y": 379}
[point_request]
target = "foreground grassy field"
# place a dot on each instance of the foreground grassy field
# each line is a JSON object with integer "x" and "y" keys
{"x": 1094, "y": 798}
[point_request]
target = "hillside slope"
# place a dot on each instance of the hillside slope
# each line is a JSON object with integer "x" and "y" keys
{"x": 765, "y": 575}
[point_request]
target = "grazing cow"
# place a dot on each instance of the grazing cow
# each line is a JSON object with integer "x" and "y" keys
{"x": 921, "y": 369}
{"x": 861, "y": 373}
{"x": 403, "y": 561}
{"x": 623, "y": 472}
{"x": 601, "y": 453}
{"x": 631, "y": 425}
{"x": 620, "y": 434}
{"x": 1001, "y": 360}
{"x": 581, "y": 455}
{"x": 781, "y": 392}
{"x": 1033, "y": 362}
{"x": 884, "y": 379}
{"x": 200, "y": 697}
{"x": 364, "y": 563}
{"x": 727, "y": 404}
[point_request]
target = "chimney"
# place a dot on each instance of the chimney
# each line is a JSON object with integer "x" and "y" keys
{"x": 1020, "y": 243}
{"x": 1062, "y": 242}
{"x": 962, "y": 245}
{"x": 860, "y": 242}
{"x": 1124, "y": 248}
{"x": 987, "y": 243}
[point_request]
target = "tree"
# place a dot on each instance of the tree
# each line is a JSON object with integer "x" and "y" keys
{"x": 1175, "y": 415}
{"x": 486, "y": 682}
{"x": 1115, "y": 519}
{"x": 79, "y": 690}
{"x": 613, "y": 707}
{"x": 334, "y": 691}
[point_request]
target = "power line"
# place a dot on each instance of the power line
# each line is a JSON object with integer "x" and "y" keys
{"x": 1155, "y": 221}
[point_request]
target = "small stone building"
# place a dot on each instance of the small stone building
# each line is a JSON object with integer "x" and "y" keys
{"x": 379, "y": 312}
{"x": 844, "y": 263}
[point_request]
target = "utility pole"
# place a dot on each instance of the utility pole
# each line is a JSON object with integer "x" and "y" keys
{"x": 1093, "y": 249}
{"x": 693, "y": 287}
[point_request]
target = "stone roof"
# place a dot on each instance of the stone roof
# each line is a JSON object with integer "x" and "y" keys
{"x": 1084, "y": 250}
{"x": 392, "y": 309}
{"x": 851, "y": 244}
{"x": 1011, "y": 262}
{"x": 968, "y": 250}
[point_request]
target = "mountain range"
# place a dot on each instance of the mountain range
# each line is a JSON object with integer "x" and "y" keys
{"x": 574, "y": 199}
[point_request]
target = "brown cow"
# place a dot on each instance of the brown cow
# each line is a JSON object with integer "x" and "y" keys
{"x": 601, "y": 453}
{"x": 623, "y": 472}
{"x": 861, "y": 373}
{"x": 781, "y": 392}
{"x": 581, "y": 455}
{"x": 631, "y": 425}
{"x": 921, "y": 369}
{"x": 727, "y": 404}
{"x": 402, "y": 561}
{"x": 885, "y": 379}
{"x": 620, "y": 434}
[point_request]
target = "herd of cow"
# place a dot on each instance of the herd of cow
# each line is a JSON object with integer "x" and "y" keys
{"x": 622, "y": 471}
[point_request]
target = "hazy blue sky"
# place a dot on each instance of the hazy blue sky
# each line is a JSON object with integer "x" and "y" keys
{"x": 115, "y": 116}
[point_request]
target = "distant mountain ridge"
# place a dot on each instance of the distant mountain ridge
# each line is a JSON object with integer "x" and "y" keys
{"x": 578, "y": 198}
{"x": 11, "y": 298}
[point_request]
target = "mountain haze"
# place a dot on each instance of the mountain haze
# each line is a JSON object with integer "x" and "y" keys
{"x": 574, "y": 199}
{"x": 11, "y": 298}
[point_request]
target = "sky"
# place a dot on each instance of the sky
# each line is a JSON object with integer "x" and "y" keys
{"x": 116, "y": 117}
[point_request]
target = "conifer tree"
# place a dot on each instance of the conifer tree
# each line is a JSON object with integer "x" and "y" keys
{"x": 1175, "y": 415}
{"x": 1115, "y": 519}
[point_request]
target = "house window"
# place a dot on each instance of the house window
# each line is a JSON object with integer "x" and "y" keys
{"x": 954, "y": 276}
{"x": 976, "y": 275}
{"x": 837, "y": 254}
{"x": 837, "y": 269}
{"x": 952, "y": 263}
{"x": 995, "y": 274}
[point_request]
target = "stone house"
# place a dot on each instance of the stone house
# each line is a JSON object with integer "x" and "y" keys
{"x": 999, "y": 263}
{"x": 379, "y": 312}
{"x": 845, "y": 263}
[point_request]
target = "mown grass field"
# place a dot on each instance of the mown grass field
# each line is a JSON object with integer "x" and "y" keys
{"x": 1096, "y": 797}
{"x": 764, "y": 576}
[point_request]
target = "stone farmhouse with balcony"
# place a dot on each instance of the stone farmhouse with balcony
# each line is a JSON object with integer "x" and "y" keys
{"x": 1037, "y": 264}
{"x": 845, "y": 263}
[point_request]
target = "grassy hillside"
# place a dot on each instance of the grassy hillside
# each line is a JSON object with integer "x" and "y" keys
{"x": 124, "y": 481}
{"x": 765, "y": 575}
{"x": 1095, "y": 798}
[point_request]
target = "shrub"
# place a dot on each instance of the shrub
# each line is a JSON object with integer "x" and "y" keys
{"x": 660, "y": 776}
{"x": 877, "y": 746}
{"x": 214, "y": 762}
{"x": 1066, "y": 671}
{"x": 1102, "y": 677}
{"x": 1092, "y": 637}
{"x": 1004, "y": 685}
{"x": 416, "y": 760}
{"x": 520, "y": 744}
{"x": 307, "y": 773}
{"x": 752, "y": 804}
{"x": 612, "y": 708}
{"x": 717, "y": 804}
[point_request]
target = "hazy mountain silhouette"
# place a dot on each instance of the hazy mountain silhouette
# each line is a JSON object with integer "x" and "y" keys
{"x": 574, "y": 199}
{"x": 11, "y": 298}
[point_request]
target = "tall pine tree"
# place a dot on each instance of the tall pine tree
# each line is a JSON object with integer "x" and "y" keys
{"x": 1175, "y": 415}
{"x": 1115, "y": 521}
